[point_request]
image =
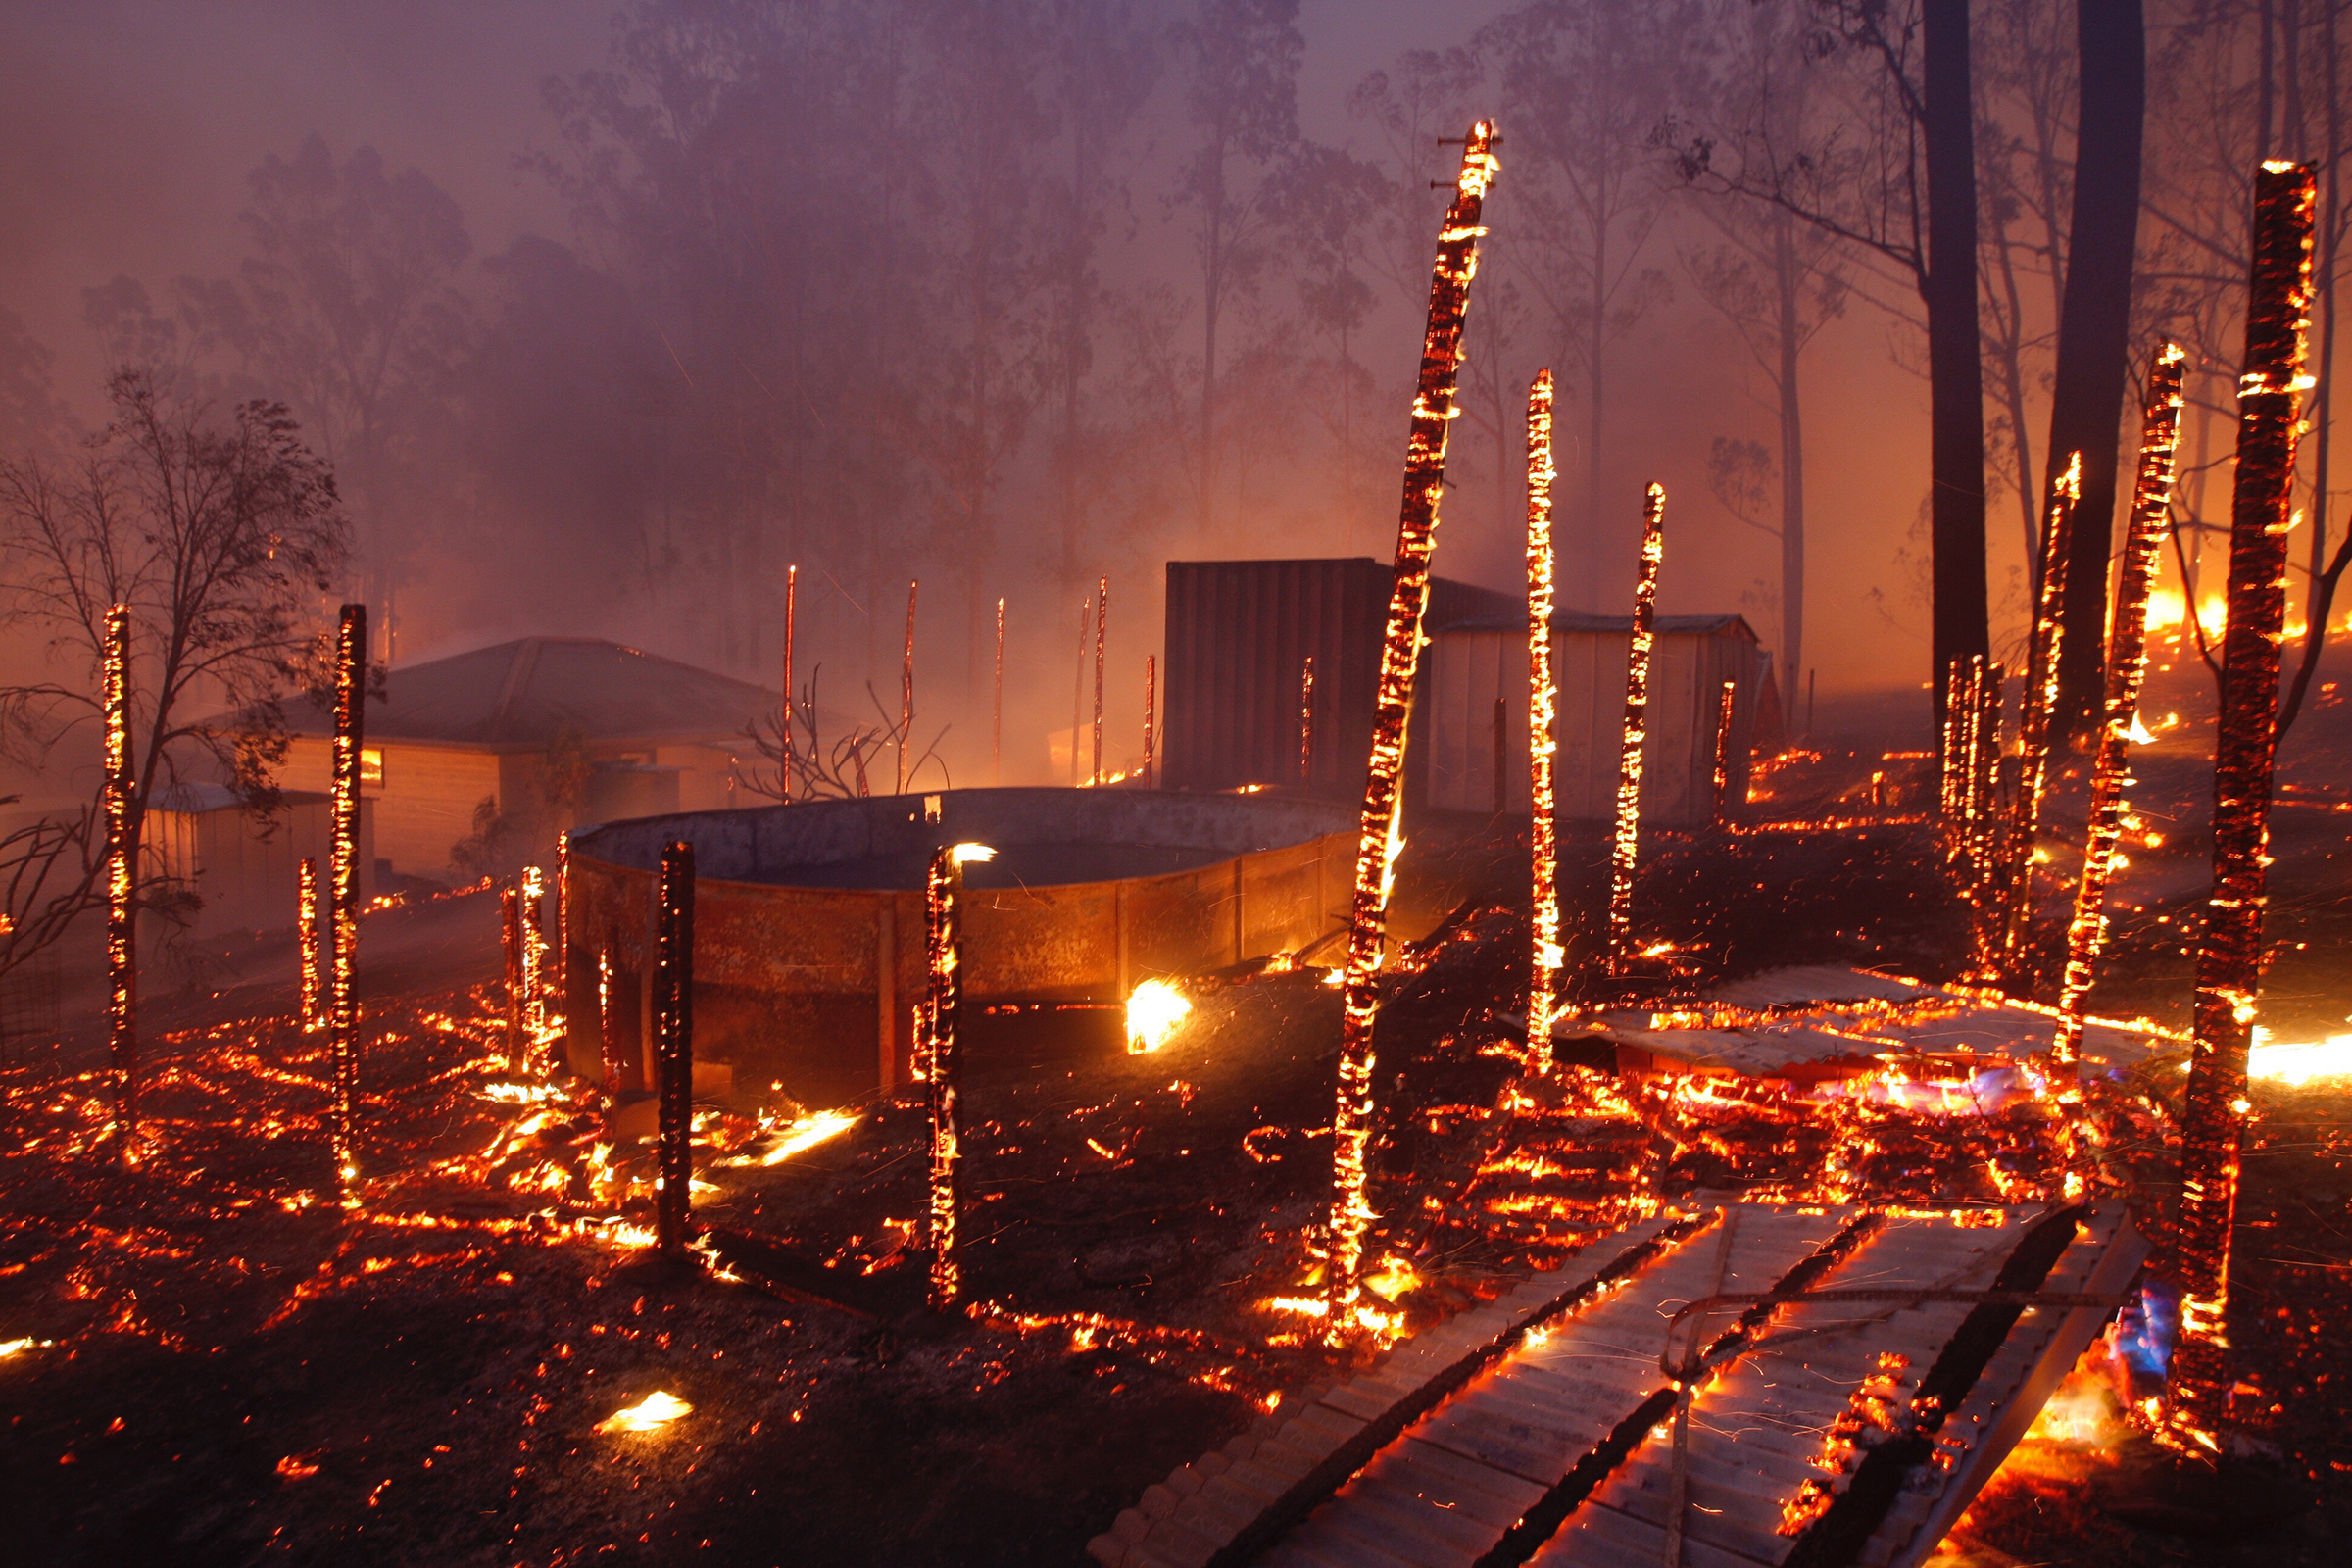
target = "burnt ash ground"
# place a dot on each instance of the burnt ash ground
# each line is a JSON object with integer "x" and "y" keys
{"x": 239, "y": 1378}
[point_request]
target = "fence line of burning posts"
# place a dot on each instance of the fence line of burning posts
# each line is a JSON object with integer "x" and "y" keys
{"x": 1992, "y": 810}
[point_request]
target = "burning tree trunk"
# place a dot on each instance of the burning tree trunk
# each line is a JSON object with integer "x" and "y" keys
{"x": 1543, "y": 850}
{"x": 559, "y": 983}
{"x": 792, "y": 595}
{"x": 673, "y": 1049}
{"x": 2229, "y": 963}
{"x": 1951, "y": 770}
{"x": 906, "y": 691}
{"x": 1101, "y": 627}
{"x": 1151, "y": 717}
{"x": 1307, "y": 722}
{"x": 343, "y": 891}
{"x": 2035, "y": 706}
{"x": 122, "y": 883}
{"x": 2126, "y": 664}
{"x": 306, "y": 939}
{"x": 1628, "y": 836}
{"x": 509, "y": 927}
{"x": 943, "y": 891}
{"x": 1399, "y": 658}
{"x": 1723, "y": 751}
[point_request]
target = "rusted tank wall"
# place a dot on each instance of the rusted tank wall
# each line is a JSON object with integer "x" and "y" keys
{"x": 813, "y": 987}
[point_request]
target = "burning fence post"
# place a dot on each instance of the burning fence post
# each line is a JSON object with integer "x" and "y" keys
{"x": 1101, "y": 626}
{"x": 2126, "y": 664}
{"x": 560, "y": 982}
{"x": 534, "y": 967}
{"x": 1307, "y": 722}
{"x": 2229, "y": 962}
{"x": 343, "y": 891}
{"x": 2015, "y": 895}
{"x": 1378, "y": 842}
{"x": 673, "y": 1049}
{"x": 509, "y": 946}
{"x": 1150, "y": 719}
{"x": 306, "y": 939}
{"x": 1542, "y": 845}
{"x": 906, "y": 691}
{"x": 1950, "y": 768}
{"x": 1723, "y": 751}
{"x": 122, "y": 882}
{"x": 792, "y": 595}
{"x": 995, "y": 732}
{"x": 1628, "y": 837}
{"x": 943, "y": 929}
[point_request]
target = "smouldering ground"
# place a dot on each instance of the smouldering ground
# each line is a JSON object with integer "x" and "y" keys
{"x": 232, "y": 1371}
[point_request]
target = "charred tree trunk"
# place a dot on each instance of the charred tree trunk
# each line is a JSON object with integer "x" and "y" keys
{"x": 1955, "y": 372}
{"x": 2095, "y": 327}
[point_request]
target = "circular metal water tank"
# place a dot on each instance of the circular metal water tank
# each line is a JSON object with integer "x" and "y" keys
{"x": 808, "y": 919}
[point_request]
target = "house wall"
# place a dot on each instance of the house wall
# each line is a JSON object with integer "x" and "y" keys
{"x": 425, "y": 804}
{"x": 1464, "y": 672}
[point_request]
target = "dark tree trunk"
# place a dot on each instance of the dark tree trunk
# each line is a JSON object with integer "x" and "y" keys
{"x": 1792, "y": 463}
{"x": 1955, "y": 375}
{"x": 2094, "y": 329}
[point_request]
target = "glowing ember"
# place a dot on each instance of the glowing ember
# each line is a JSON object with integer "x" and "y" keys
{"x": 306, "y": 936}
{"x": 2298, "y": 1062}
{"x": 1542, "y": 845}
{"x": 1399, "y": 658}
{"x": 2230, "y": 959}
{"x": 652, "y": 1413}
{"x": 1154, "y": 1010}
{"x": 1307, "y": 720}
{"x": 9, "y": 1348}
{"x": 807, "y": 1133}
{"x": 943, "y": 891}
{"x": 1628, "y": 836}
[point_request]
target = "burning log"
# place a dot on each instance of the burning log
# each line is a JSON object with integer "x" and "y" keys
{"x": 2034, "y": 706}
{"x": 343, "y": 891}
{"x": 1541, "y": 745}
{"x": 1723, "y": 752}
{"x": 943, "y": 890}
{"x": 1637, "y": 717}
{"x": 995, "y": 732}
{"x": 1151, "y": 716}
{"x": 2229, "y": 962}
{"x": 792, "y": 596}
{"x": 906, "y": 691}
{"x": 673, "y": 1049}
{"x": 305, "y": 938}
{"x": 509, "y": 928}
{"x": 121, "y": 863}
{"x": 1101, "y": 626}
{"x": 1399, "y": 658}
{"x": 1307, "y": 721}
{"x": 2126, "y": 664}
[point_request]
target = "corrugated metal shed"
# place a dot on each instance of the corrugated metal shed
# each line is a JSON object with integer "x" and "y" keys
{"x": 243, "y": 871}
{"x": 1238, "y": 634}
{"x": 1471, "y": 661}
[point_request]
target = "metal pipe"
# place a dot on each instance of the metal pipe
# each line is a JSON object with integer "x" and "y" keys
{"x": 1101, "y": 627}
{"x": 792, "y": 595}
{"x": 906, "y": 691}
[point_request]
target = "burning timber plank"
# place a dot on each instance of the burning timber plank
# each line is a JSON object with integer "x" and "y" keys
{"x": 1541, "y": 1429}
{"x": 1819, "y": 1023}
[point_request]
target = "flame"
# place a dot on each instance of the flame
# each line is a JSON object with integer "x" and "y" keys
{"x": 1154, "y": 1010}
{"x": 2298, "y": 1062}
{"x": 1395, "y": 1278}
{"x": 652, "y": 1413}
{"x": 807, "y": 1133}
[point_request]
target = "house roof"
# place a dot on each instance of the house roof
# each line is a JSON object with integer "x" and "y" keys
{"x": 526, "y": 691}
